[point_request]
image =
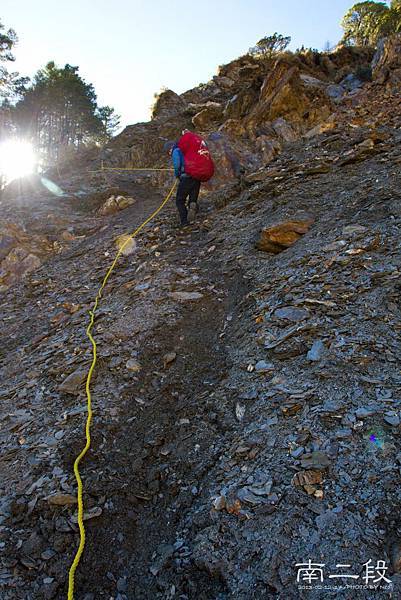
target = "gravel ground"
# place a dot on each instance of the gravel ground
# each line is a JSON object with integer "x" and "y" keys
{"x": 246, "y": 405}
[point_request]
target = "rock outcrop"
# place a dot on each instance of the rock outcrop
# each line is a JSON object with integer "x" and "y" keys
{"x": 386, "y": 65}
{"x": 167, "y": 105}
{"x": 256, "y": 105}
{"x": 302, "y": 101}
{"x": 20, "y": 253}
{"x": 210, "y": 116}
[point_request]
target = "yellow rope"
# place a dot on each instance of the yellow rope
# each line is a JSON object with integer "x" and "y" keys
{"x": 128, "y": 169}
{"x": 71, "y": 576}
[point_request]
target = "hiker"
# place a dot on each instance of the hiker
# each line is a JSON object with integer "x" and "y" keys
{"x": 192, "y": 165}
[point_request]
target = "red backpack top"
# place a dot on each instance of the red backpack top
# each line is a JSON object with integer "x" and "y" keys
{"x": 197, "y": 159}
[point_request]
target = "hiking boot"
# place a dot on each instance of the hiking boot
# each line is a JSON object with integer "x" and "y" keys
{"x": 192, "y": 211}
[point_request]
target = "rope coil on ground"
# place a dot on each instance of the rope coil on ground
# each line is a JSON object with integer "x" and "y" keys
{"x": 74, "y": 565}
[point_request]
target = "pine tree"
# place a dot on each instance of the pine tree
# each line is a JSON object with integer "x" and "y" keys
{"x": 366, "y": 22}
{"x": 110, "y": 122}
{"x": 9, "y": 82}
{"x": 270, "y": 45}
{"x": 59, "y": 111}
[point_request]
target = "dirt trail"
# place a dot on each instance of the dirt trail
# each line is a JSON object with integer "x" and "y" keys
{"x": 145, "y": 464}
{"x": 152, "y": 463}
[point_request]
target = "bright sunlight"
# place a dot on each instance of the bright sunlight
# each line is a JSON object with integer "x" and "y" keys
{"x": 17, "y": 159}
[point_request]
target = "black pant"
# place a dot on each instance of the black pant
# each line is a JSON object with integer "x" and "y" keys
{"x": 188, "y": 187}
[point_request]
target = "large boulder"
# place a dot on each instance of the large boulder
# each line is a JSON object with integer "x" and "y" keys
{"x": 208, "y": 117}
{"x": 268, "y": 147}
{"x": 167, "y": 105}
{"x": 231, "y": 157}
{"x": 233, "y": 128}
{"x": 386, "y": 64}
{"x": 339, "y": 63}
{"x": 20, "y": 253}
{"x": 204, "y": 92}
{"x": 225, "y": 83}
{"x": 244, "y": 70}
{"x": 114, "y": 204}
{"x": 336, "y": 92}
{"x": 279, "y": 237}
{"x": 240, "y": 104}
{"x": 284, "y": 131}
{"x": 351, "y": 82}
{"x": 142, "y": 145}
{"x": 17, "y": 263}
{"x": 303, "y": 102}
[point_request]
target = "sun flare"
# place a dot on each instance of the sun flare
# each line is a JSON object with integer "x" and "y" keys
{"x": 17, "y": 159}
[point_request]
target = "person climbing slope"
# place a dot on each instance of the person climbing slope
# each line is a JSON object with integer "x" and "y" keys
{"x": 192, "y": 165}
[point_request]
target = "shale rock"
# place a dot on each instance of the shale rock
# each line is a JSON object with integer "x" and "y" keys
{"x": 73, "y": 384}
{"x": 386, "y": 64}
{"x": 208, "y": 117}
{"x": 285, "y": 95}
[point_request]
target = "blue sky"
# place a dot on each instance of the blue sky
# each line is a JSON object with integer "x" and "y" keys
{"x": 129, "y": 49}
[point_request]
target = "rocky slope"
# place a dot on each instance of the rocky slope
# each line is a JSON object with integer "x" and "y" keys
{"x": 247, "y": 396}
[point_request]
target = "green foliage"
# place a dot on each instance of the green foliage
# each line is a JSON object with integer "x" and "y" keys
{"x": 59, "y": 111}
{"x": 110, "y": 122}
{"x": 270, "y": 45}
{"x": 303, "y": 50}
{"x": 366, "y": 22}
{"x": 7, "y": 40}
{"x": 9, "y": 82}
{"x": 395, "y": 10}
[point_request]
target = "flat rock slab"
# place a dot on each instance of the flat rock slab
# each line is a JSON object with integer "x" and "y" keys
{"x": 74, "y": 382}
{"x": 315, "y": 461}
{"x": 186, "y": 296}
{"x": 133, "y": 365}
{"x": 276, "y": 238}
{"x": 291, "y": 313}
